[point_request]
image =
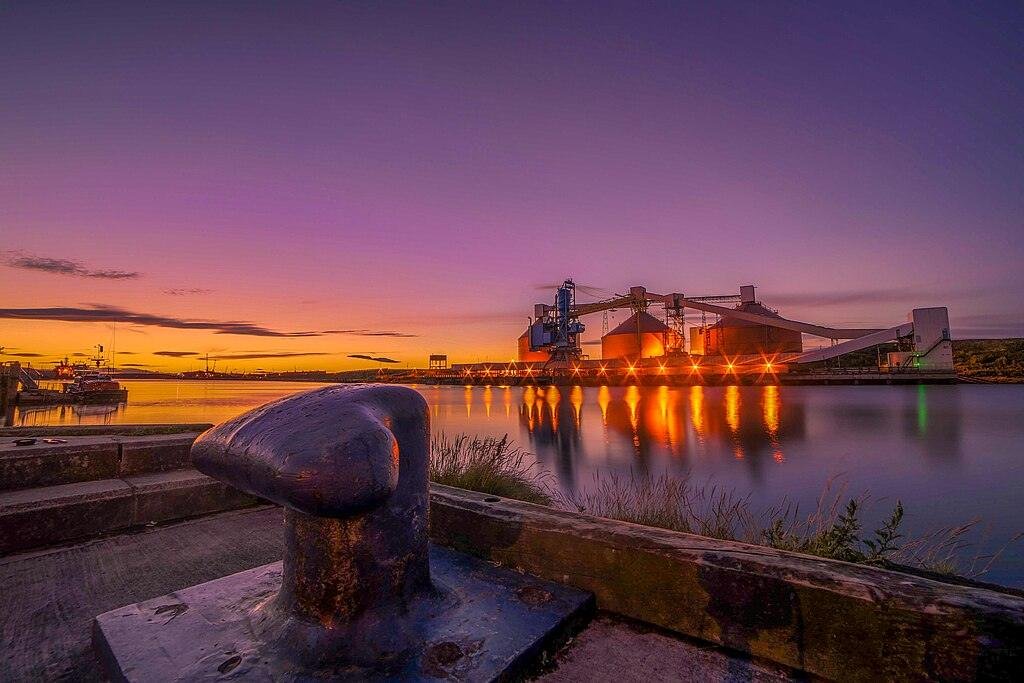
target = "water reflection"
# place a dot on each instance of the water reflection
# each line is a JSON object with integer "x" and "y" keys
{"x": 771, "y": 404}
{"x": 554, "y": 427}
{"x": 488, "y": 399}
{"x": 66, "y": 414}
{"x": 936, "y": 431}
{"x": 697, "y": 410}
{"x": 647, "y": 421}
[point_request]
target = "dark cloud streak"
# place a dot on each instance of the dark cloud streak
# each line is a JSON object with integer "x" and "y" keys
{"x": 376, "y": 359}
{"x": 112, "y": 314}
{"x": 65, "y": 267}
{"x": 370, "y": 333}
{"x": 253, "y": 356}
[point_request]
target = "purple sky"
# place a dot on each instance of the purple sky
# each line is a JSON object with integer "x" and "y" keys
{"x": 422, "y": 168}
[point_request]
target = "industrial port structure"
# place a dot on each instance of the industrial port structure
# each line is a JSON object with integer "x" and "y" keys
{"x": 745, "y": 342}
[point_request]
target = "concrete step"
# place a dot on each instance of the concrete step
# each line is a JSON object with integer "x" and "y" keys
{"x": 138, "y": 429}
{"x": 89, "y": 458}
{"x": 50, "y": 515}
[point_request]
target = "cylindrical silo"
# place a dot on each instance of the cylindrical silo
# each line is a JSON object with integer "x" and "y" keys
{"x": 640, "y": 336}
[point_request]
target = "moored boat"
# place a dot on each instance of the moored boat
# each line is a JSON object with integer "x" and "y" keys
{"x": 95, "y": 387}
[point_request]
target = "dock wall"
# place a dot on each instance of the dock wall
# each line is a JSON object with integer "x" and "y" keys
{"x": 832, "y": 619}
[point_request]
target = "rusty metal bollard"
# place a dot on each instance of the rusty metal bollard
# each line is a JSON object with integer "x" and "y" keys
{"x": 361, "y": 594}
{"x": 355, "y": 495}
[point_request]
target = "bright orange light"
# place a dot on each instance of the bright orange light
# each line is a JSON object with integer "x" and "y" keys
{"x": 662, "y": 369}
{"x": 696, "y": 368}
{"x": 575, "y": 369}
{"x": 768, "y": 366}
{"x": 604, "y": 370}
{"x": 632, "y": 369}
{"x": 730, "y": 365}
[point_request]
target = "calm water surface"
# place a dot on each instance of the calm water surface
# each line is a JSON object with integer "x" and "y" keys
{"x": 950, "y": 453}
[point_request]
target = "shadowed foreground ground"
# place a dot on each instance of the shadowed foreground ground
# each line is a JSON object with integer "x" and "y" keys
{"x": 50, "y": 597}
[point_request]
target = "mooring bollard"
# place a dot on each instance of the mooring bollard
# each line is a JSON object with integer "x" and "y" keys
{"x": 350, "y": 467}
{"x": 360, "y": 593}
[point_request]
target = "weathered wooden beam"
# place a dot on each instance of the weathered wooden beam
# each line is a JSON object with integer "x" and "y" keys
{"x": 833, "y": 619}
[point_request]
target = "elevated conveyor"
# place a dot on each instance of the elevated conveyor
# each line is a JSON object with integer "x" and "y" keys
{"x": 867, "y": 341}
{"x": 775, "y": 321}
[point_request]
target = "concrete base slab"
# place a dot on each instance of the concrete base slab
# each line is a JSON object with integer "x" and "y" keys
{"x": 485, "y": 623}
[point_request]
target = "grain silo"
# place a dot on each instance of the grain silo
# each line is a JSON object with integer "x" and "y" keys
{"x": 735, "y": 337}
{"x": 529, "y": 356}
{"x": 641, "y": 336}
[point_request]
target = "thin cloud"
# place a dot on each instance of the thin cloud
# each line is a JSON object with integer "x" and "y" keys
{"x": 193, "y": 291}
{"x": 841, "y": 298}
{"x": 370, "y": 333}
{"x": 176, "y": 354}
{"x": 918, "y": 296}
{"x": 252, "y": 356}
{"x": 589, "y": 290}
{"x": 511, "y": 317}
{"x": 112, "y": 314}
{"x": 136, "y": 365}
{"x": 59, "y": 266}
{"x": 376, "y": 359}
{"x": 25, "y": 354}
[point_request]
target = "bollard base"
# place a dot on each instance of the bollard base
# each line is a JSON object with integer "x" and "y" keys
{"x": 495, "y": 624}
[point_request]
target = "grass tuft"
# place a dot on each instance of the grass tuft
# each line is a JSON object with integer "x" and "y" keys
{"x": 667, "y": 502}
{"x": 487, "y": 465}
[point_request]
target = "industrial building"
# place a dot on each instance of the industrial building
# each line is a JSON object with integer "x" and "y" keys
{"x": 733, "y": 338}
{"x": 747, "y": 336}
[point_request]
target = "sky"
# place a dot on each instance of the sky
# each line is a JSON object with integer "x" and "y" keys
{"x": 285, "y": 185}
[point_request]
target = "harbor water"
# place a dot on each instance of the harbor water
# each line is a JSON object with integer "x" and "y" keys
{"x": 950, "y": 454}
